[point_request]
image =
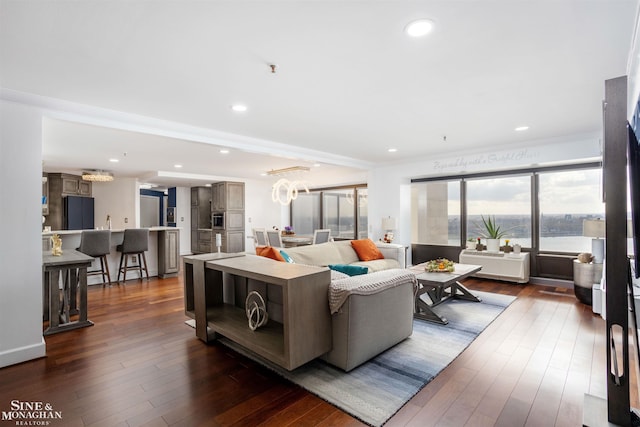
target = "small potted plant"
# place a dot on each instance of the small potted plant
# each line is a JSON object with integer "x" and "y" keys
{"x": 471, "y": 243}
{"x": 479, "y": 246}
{"x": 507, "y": 249}
{"x": 288, "y": 231}
{"x": 492, "y": 232}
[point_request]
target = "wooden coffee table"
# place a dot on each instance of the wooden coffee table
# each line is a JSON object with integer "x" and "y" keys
{"x": 440, "y": 287}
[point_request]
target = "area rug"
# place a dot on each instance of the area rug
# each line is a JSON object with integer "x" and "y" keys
{"x": 376, "y": 390}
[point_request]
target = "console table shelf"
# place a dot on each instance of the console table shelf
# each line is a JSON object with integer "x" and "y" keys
{"x": 217, "y": 288}
{"x": 231, "y": 322}
{"x": 498, "y": 265}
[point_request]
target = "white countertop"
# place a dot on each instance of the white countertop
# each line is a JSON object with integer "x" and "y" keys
{"x": 68, "y": 232}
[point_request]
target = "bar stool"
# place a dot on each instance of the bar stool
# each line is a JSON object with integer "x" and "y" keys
{"x": 97, "y": 243}
{"x": 135, "y": 242}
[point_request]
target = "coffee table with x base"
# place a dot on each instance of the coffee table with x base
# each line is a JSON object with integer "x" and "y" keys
{"x": 440, "y": 287}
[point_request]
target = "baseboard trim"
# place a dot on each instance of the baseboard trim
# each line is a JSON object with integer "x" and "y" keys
{"x": 22, "y": 354}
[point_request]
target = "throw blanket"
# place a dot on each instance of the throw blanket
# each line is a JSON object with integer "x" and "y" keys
{"x": 367, "y": 284}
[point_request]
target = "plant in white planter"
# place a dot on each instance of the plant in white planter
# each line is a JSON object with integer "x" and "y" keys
{"x": 492, "y": 232}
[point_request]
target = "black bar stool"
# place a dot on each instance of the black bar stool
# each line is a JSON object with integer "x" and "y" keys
{"x": 135, "y": 242}
{"x": 97, "y": 243}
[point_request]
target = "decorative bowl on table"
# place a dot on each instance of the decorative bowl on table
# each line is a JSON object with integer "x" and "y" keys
{"x": 440, "y": 265}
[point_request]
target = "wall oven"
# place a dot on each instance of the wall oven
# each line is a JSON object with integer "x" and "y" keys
{"x": 217, "y": 220}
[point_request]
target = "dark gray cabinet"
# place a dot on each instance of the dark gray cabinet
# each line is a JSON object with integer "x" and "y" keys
{"x": 168, "y": 252}
{"x": 227, "y": 196}
{"x": 61, "y": 185}
{"x": 226, "y": 200}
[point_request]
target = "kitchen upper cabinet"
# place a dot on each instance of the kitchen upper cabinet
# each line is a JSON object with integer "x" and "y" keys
{"x": 227, "y": 196}
{"x": 73, "y": 185}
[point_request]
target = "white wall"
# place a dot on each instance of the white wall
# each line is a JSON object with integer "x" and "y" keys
{"x": 21, "y": 250}
{"x": 260, "y": 210}
{"x": 118, "y": 199}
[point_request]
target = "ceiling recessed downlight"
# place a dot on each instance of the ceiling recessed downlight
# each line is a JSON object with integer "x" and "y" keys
{"x": 177, "y": 166}
{"x": 224, "y": 151}
{"x": 239, "y": 108}
{"x": 392, "y": 150}
{"x": 521, "y": 128}
{"x": 419, "y": 28}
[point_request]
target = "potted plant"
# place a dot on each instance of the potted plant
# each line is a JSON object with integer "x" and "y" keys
{"x": 492, "y": 232}
{"x": 471, "y": 243}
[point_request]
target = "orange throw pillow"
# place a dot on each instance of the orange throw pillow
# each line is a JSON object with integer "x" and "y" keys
{"x": 269, "y": 252}
{"x": 366, "y": 250}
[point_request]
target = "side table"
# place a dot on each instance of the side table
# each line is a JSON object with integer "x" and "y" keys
{"x": 585, "y": 275}
{"x": 72, "y": 267}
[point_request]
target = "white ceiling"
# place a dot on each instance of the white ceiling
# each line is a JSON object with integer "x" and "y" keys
{"x": 349, "y": 84}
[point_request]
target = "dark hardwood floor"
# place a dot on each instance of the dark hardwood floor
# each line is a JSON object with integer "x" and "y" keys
{"x": 140, "y": 365}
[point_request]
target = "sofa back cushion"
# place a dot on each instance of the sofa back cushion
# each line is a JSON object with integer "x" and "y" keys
{"x": 347, "y": 253}
{"x": 322, "y": 254}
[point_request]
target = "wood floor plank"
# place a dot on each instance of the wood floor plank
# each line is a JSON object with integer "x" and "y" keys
{"x": 140, "y": 365}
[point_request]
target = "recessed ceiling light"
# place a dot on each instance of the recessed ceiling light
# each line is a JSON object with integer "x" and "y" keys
{"x": 177, "y": 166}
{"x": 207, "y": 185}
{"x": 114, "y": 160}
{"x": 521, "y": 128}
{"x": 317, "y": 165}
{"x": 224, "y": 151}
{"x": 419, "y": 28}
{"x": 239, "y": 108}
{"x": 392, "y": 150}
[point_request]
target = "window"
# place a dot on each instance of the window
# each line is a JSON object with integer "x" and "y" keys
{"x": 363, "y": 213}
{"x": 305, "y": 213}
{"x": 332, "y": 208}
{"x": 567, "y": 198}
{"x": 505, "y": 199}
{"x": 443, "y": 208}
{"x": 435, "y": 213}
{"x": 338, "y": 213}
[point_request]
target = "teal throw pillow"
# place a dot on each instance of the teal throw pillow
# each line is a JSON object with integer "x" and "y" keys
{"x": 286, "y": 257}
{"x": 351, "y": 270}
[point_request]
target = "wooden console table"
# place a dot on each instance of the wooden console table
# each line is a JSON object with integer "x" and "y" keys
{"x": 498, "y": 265}
{"x": 72, "y": 267}
{"x": 305, "y": 331}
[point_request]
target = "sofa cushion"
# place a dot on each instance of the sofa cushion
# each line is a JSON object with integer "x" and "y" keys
{"x": 269, "y": 252}
{"x": 366, "y": 249}
{"x": 347, "y": 253}
{"x": 322, "y": 254}
{"x": 349, "y": 269}
{"x": 379, "y": 264}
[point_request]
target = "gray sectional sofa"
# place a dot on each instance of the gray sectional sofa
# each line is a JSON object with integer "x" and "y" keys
{"x": 369, "y": 313}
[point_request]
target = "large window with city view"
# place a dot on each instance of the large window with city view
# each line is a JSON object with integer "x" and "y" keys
{"x": 567, "y": 198}
{"x": 564, "y": 198}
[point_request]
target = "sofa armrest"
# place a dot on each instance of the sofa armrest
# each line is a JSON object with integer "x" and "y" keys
{"x": 394, "y": 251}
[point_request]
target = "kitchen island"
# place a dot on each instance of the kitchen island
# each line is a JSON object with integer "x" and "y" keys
{"x": 163, "y": 256}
